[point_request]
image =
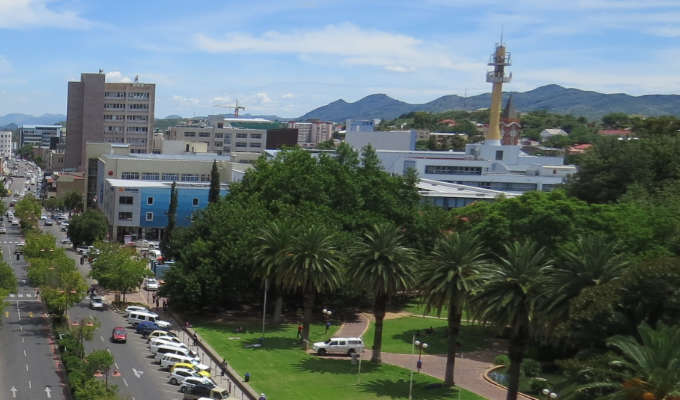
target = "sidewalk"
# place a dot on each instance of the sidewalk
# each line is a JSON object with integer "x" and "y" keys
{"x": 468, "y": 373}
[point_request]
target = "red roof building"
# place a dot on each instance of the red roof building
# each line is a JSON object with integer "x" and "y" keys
{"x": 615, "y": 132}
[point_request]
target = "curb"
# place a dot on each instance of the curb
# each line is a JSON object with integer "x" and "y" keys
{"x": 486, "y": 377}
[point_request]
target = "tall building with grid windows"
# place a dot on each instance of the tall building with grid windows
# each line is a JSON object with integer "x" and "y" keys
{"x": 98, "y": 111}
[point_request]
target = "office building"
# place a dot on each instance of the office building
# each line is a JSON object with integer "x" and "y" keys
{"x": 384, "y": 140}
{"x": 43, "y": 136}
{"x": 98, "y": 111}
{"x": 311, "y": 133}
{"x": 360, "y": 125}
{"x": 5, "y": 144}
{"x": 139, "y": 209}
{"x": 221, "y": 137}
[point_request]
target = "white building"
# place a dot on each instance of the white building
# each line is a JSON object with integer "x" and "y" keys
{"x": 40, "y": 135}
{"x": 221, "y": 138}
{"x": 5, "y": 144}
{"x": 384, "y": 140}
{"x": 360, "y": 125}
{"x": 548, "y": 133}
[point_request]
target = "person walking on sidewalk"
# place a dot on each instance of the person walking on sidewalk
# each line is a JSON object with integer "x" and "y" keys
{"x": 195, "y": 339}
{"x": 262, "y": 397}
{"x": 299, "y": 333}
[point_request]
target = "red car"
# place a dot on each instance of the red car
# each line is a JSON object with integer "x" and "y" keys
{"x": 119, "y": 334}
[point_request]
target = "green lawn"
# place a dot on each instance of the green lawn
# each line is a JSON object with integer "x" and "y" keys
{"x": 284, "y": 372}
{"x": 398, "y": 335}
{"x": 417, "y": 308}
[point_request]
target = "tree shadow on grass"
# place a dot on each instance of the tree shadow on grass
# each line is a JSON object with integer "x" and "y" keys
{"x": 333, "y": 365}
{"x": 272, "y": 343}
{"x": 471, "y": 338}
{"x": 399, "y": 388}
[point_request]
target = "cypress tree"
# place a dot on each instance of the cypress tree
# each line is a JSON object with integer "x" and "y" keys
{"x": 172, "y": 216}
{"x": 214, "y": 193}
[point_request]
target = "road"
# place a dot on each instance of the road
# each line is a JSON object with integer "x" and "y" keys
{"x": 139, "y": 375}
{"x": 29, "y": 362}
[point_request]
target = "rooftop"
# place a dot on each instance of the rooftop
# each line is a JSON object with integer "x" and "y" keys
{"x": 133, "y": 183}
{"x": 40, "y": 126}
{"x": 185, "y": 157}
{"x": 432, "y": 188}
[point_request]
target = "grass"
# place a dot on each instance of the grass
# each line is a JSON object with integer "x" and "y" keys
{"x": 285, "y": 372}
{"x": 398, "y": 335}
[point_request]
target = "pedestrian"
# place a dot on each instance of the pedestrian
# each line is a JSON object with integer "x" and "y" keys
{"x": 157, "y": 300}
{"x": 299, "y": 333}
{"x": 195, "y": 339}
{"x": 165, "y": 305}
{"x": 328, "y": 325}
{"x": 262, "y": 397}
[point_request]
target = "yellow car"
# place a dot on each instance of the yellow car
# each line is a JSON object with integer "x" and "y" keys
{"x": 191, "y": 367}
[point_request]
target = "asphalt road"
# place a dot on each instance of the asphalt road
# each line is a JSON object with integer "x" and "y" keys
{"x": 29, "y": 362}
{"x": 140, "y": 377}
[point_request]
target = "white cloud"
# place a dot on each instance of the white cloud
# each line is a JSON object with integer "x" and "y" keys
{"x": 262, "y": 98}
{"x": 288, "y": 96}
{"x": 355, "y": 46}
{"x": 35, "y": 13}
{"x": 5, "y": 66}
{"x": 117, "y": 76}
{"x": 186, "y": 100}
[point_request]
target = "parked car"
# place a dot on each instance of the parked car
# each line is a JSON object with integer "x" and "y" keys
{"x": 130, "y": 309}
{"x": 151, "y": 284}
{"x": 339, "y": 346}
{"x": 204, "y": 392}
{"x": 172, "y": 340}
{"x": 177, "y": 375}
{"x": 81, "y": 250}
{"x": 157, "y": 344}
{"x": 49, "y": 222}
{"x": 160, "y": 333}
{"x": 192, "y": 381}
{"x": 191, "y": 367}
{"x": 3, "y": 229}
{"x": 139, "y": 316}
{"x": 161, "y": 350}
{"x": 66, "y": 242}
{"x": 145, "y": 327}
{"x": 96, "y": 303}
{"x": 119, "y": 334}
{"x": 168, "y": 360}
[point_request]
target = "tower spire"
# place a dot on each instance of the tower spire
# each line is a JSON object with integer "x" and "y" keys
{"x": 499, "y": 60}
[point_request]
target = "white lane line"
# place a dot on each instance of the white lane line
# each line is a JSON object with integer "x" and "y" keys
{"x": 125, "y": 382}
{"x": 22, "y": 340}
{"x": 18, "y": 310}
{"x": 26, "y": 367}
{"x": 116, "y": 364}
{"x": 25, "y": 353}
{"x": 29, "y": 384}
{"x": 101, "y": 338}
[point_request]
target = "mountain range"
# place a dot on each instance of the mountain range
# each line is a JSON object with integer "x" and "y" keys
{"x": 26, "y": 119}
{"x": 552, "y": 98}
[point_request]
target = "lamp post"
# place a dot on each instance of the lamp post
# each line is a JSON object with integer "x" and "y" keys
{"x": 264, "y": 306}
{"x": 549, "y": 394}
{"x": 421, "y": 346}
{"x": 327, "y": 316}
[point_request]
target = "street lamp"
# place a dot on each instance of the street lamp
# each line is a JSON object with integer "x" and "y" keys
{"x": 549, "y": 395}
{"x": 421, "y": 346}
{"x": 327, "y": 316}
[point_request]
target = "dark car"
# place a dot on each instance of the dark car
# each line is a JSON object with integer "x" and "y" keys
{"x": 146, "y": 327}
{"x": 119, "y": 334}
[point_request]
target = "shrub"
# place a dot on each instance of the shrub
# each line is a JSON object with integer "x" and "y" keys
{"x": 531, "y": 367}
{"x": 502, "y": 359}
{"x": 536, "y": 385}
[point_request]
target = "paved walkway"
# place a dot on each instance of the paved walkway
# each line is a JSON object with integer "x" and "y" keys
{"x": 468, "y": 373}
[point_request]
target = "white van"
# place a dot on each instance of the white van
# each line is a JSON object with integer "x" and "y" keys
{"x": 136, "y": 317}
{"x": 155, "y": 344}
{"x": 180, "y": 351}
{"x": 339, "y": 346}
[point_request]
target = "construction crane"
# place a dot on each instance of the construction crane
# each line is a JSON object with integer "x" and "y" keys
{"x": 236, "y": 107}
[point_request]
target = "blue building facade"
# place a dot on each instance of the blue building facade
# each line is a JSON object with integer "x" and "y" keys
{"x": 156, "y": 201}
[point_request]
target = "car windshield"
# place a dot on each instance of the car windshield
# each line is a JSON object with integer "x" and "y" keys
{"x": 327, "y": 341}
{"x": 119, "y": 331}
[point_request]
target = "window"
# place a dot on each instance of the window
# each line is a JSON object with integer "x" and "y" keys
{"x": 125, "y": 200}
{"x": 227, "y": 149}
{"x": 195, "y": 202}
{"x": 189, "y": 134}
{"x": 242, "y": 135}
{"x": 499, "y": 154}
{"x": 129, "y": 175}
{"x": 151, "y": 176}
{"x": 204, "y": 134}
{"x": 218, "y": 135}
{"x": 138, "y": 106}
{"x": 220, "y": 125}
{"x": 149, "y": 200}
{"x": 218, "y": 144}
{"x": 452, "y": 169}
{"x": 255, "y": 144}
{"x": 170, "y": 177}
{"x": 125, "y": 216}
{"x": 241, "y": 144}
{"x": 205, "y": 178}
{"x": 149, "y": 215}
{"x": 190, "y": 178}
{"x": 256, "y": 135}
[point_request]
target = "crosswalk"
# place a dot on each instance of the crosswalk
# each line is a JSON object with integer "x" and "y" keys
{"x": 11, "y": 242}
{"x": 25, "y": 295}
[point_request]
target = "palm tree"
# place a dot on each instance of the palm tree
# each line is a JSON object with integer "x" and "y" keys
{"x": 270, "y": 256}
{"x": 588, "y": 261}
{"x": 509, "y": 295}
{"x": 313, "y": 267}
{"x": 383, "y": 265}
{"x": 448, "y": 279}
{"x": 649, "y": 368}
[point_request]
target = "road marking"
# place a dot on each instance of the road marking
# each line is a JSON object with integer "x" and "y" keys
{"x": 125, "y": 382}
{"x": 26, "y": 367}
{"x": 14, "y": 392}
{"x": 29, "y": 384}
{"x": 22, "y": 340}
{"x": 101, "y": 338}
{"x": 21, "y": 329}
{"x": 48, "y": 392}
{"x": 137, "y": 373}
{"x": 25, "y": 353}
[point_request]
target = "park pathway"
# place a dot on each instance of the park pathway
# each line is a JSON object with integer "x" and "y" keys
{"x": 469, "y": 373}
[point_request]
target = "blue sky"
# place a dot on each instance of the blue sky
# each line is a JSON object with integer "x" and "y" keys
{"x": 288, "y": 57}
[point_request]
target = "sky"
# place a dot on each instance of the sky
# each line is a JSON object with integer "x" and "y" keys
{"x": 288, "y": 57}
